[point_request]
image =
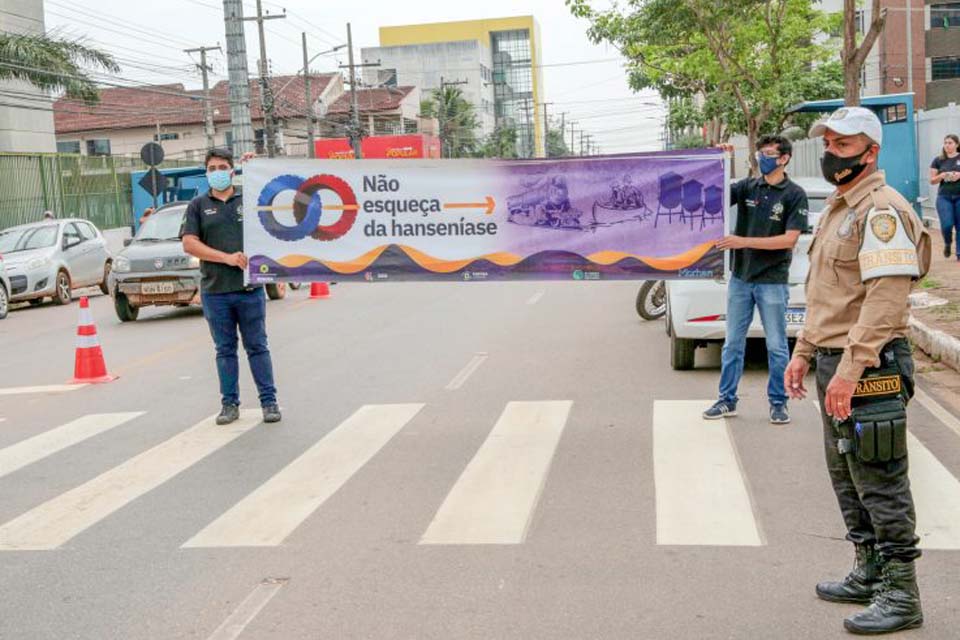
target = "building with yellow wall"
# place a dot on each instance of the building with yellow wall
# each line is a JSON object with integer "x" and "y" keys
{"x": 511, "y": 87}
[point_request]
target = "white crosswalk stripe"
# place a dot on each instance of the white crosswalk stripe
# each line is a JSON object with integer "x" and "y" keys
{"x": 27, "y": 452}
{"x": 495, "y": 498}
{"x": 55, "y": 522}
{"x": 272, "y": 512}
{"x": 701, "y": 495}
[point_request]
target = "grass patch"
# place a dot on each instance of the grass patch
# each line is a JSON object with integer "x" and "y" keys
{"x": 930, "y": 283}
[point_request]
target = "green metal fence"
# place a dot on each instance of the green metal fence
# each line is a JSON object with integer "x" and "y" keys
{"x": 96, "y": 188}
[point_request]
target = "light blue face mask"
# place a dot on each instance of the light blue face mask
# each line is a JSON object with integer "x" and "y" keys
{"x": 220, "y": 180}
{"x": 767, "y": 165}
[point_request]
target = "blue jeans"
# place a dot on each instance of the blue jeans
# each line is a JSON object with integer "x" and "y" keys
{"x": 771, "y": 300}
{"x": 948, "y": 210}
{"x": 246, "y": 310}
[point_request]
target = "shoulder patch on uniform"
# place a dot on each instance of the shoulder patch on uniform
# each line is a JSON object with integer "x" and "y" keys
{"x": 884, "y": 226}
{"x": 886, "y": 249}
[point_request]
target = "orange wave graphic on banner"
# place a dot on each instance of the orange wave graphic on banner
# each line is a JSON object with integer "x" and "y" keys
{"x": 502, "y": 259}
{"x": 670, "y": 263}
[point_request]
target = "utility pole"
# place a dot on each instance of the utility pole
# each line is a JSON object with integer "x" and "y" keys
{"x": 207, "y": 106}
{"x": 240, "y": 125}
{"x": 572, "y": 147}
{"x": 546, "y": 129}
{"x": 356, "y": 132}
{"x": 266, "y": 96}
{"x": 308, "y": 99}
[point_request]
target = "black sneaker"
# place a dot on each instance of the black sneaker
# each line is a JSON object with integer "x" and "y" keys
{"x": 779, "y": 414}
{"x": 229, "y": 413}
{"x": 946, "y": 251}
{"x": 271, "y": 413}
{"x": 720, "y": 409}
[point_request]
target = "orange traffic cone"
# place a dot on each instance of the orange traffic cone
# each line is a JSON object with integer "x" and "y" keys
{"x": 90, "y": 367}
{"x": 319, "y": 290}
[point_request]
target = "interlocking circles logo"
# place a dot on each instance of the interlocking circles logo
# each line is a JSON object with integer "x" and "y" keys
{"x": 309, "y": 207}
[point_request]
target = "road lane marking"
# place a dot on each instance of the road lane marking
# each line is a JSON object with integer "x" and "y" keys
{"x": 936, "y": 497}
{"x": 702, "y": 498}
{"x": 535, "y": 298}
{"x": 496, "y": 496}
{"x": 28, "y": 451}
{"x": 461, "y": 378}
{"x": 274, "y": 510}
{"x": 50, "y": 388}
{"x": 936, "y": 491}
{"x": 243, "y": 615}
{"x": 55, "y": 522}
{"x": 934, "y": 407}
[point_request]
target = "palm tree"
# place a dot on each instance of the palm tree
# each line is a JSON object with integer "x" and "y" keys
{"x": 457, "y": 118}
{"x": 53, "y": 63}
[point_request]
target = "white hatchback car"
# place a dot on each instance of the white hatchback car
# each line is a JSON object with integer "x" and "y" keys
{"x": 696, "y": 309}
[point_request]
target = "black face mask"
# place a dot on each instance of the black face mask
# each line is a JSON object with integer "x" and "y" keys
{"x": 840, "y": 171}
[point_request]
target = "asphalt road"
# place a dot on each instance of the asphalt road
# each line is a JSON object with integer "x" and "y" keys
{"x": 474, "y": 460}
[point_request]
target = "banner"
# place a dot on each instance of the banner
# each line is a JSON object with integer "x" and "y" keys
{"x": 636, "y": 217}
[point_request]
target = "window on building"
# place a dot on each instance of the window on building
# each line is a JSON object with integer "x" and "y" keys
{"x": 68, "y": 146}
{"x": 387, "y": 77}
{"x": 165, "y": 136}
{"x": 260, "y": 140}
{"x": 895, "y": 113}
{"x": 945, "y": 68}
{"x": 228, "y": 139}
{"x": 945, "y": 16}
{"x": 98, "y": 147}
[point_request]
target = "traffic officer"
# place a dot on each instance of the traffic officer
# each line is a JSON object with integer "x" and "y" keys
{"x": 869, "y": 247}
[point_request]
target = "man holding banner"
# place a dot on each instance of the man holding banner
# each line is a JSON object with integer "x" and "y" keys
{"x": 213, "y": 232}
{"x": 771, "y": 214}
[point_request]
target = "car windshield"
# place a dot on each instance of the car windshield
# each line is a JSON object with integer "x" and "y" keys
{"x": 27, "y": 239}
{"x": 164, "y": 225}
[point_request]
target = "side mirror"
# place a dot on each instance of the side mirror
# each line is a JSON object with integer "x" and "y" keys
{"x": 127, "y": 242}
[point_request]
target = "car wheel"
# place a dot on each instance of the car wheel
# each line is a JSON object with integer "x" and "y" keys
{"x": 104, "y": 284}
{"x": 295, "y": 285}
{"x": 277, "y": 291}
{"x": 4, "y": 302}
{"x": 682, "y": 352}
{"x": 63, "y": 294}
{"x": 125, "y": 311}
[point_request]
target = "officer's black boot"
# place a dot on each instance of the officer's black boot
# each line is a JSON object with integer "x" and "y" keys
{"x": 861, "y": 584}
{"x": 896, "y": 605}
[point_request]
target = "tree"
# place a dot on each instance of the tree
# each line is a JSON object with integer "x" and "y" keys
{"x": 52, "y": 63}
{"x": 854, "y": 56}
{"x": 744, "y": 59}
{"x": 457, "y": 119}
{"x": 556, "y": 144}
{"x": 502, "y": 143}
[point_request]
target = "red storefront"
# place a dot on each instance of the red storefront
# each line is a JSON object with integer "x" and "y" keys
{"x": 380, "y": 147}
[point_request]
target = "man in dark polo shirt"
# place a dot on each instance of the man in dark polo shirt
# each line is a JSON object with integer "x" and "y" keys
{"x": 213, "y": 232}
{"x": 771, "y": 214}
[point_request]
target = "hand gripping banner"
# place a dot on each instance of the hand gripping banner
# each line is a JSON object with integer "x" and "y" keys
{"x": 637, "y": 217}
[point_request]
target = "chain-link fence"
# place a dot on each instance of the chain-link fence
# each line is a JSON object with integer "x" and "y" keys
{"x": 96, "y": 188}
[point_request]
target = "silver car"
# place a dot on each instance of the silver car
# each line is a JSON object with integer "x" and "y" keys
{"x": 153, "y": 270}
{"x": 51, "y": 258}
{"x": 4, "y": 290}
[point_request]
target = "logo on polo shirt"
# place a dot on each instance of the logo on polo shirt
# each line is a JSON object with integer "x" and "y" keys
{"x": 777, "y": 213}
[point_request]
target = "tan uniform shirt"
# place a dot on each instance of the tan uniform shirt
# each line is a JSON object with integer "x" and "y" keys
{"x": 843, "y": 311}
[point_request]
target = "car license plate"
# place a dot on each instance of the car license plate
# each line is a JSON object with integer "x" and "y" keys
{"x": 156, "y": 288}
{"x": 796, "y": 315}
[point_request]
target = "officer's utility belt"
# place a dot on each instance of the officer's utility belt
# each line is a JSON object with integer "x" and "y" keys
{"x": 877, "y": 428}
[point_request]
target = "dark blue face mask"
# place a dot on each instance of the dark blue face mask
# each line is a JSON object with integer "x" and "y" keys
{"x": 767, "y": 165}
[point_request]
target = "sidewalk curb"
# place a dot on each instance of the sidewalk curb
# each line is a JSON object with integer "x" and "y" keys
{"x": 936, "y": 344}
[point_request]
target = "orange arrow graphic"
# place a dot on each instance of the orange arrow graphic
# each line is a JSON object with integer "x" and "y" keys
{"x": 489, "y": 205}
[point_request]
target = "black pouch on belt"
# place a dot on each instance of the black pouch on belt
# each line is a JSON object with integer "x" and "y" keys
{"x": 880, "y": 430}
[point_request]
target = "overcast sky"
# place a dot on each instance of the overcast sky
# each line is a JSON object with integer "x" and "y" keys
{"x": 148, "y": 38}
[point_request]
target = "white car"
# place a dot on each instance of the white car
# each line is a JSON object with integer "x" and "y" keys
{"x": 50, "y": 258}
{"x": 696, "y": 309}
